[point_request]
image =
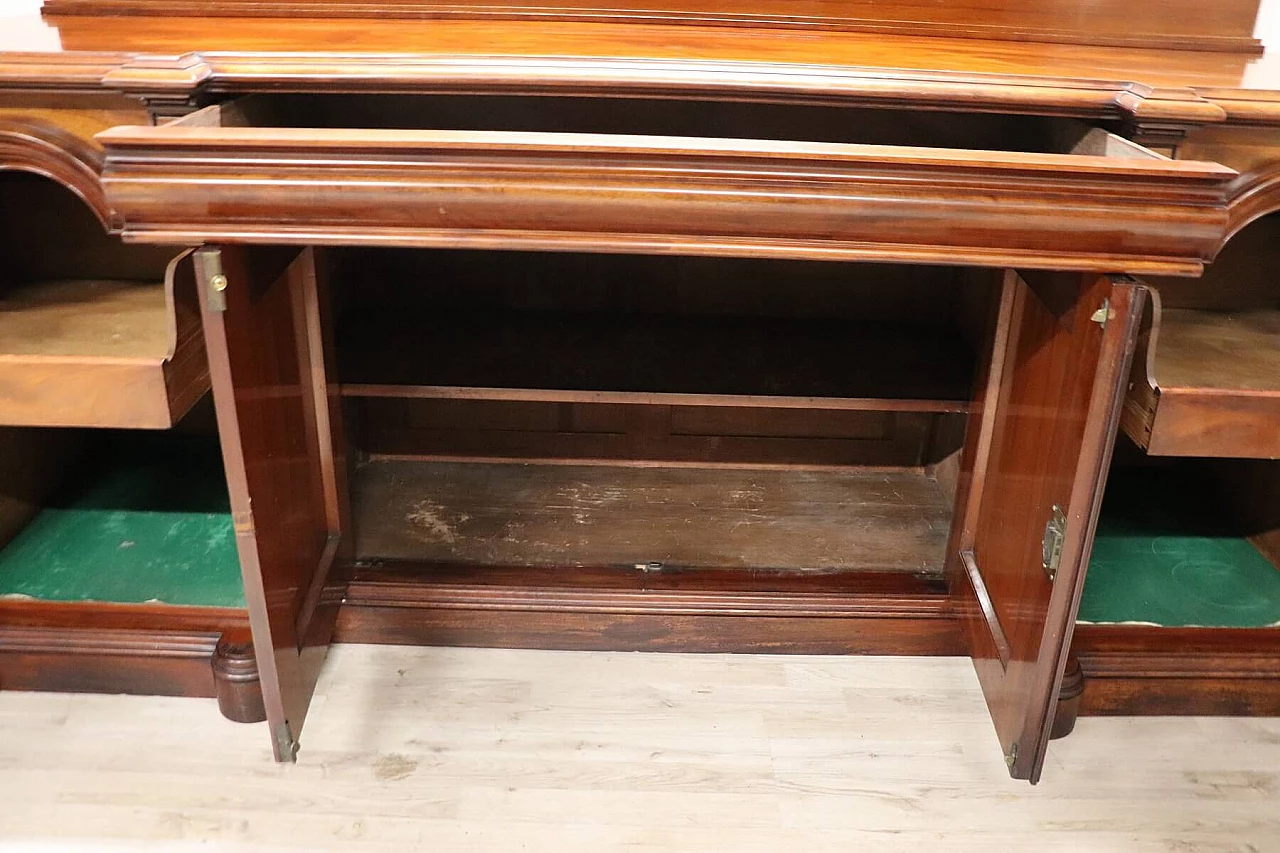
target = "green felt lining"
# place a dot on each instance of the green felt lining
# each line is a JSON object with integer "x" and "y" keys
{"x": 1164, "y": 555}
{"x": 146, "y": 520}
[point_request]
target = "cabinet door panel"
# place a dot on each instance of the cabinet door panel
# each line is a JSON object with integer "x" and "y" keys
{"x": 282, "y": 447}
{"x": 1038, "y": 448}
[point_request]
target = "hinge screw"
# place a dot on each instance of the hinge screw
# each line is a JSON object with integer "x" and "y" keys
{"x": 218, "y": 282}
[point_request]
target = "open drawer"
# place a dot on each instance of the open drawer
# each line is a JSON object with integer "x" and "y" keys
{"x": 634, "y": 175}
{"x": 1206, "y": 379}
{"x": 92, "y": 334}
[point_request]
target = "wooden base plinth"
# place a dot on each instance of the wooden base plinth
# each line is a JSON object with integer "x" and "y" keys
{"x": 1151, "y": 671}
{"x": 149, "y": 650}
{"x": 712, "y": 611}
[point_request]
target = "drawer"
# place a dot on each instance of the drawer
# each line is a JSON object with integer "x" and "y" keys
{"x": 92, "y": 333}
{"x": 1206, "y": 376}
{"x": 649, "y": 176}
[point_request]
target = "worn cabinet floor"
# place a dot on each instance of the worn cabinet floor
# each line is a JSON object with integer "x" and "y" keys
{"x": 481, "y": 749}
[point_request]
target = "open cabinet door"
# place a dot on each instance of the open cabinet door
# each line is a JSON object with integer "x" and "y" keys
{"x": 1037, "y": 451}
{"x": 282, "y": 445}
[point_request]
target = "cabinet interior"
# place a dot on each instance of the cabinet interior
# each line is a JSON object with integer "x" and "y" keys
{"x": 68, "y": 288}
{"x": 708, "y": 119}
{"x": 607, "y": 415}
{"x": 118, "y": 516}
{"x": 1187, "y": 543}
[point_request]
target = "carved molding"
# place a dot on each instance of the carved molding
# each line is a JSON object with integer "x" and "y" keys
{"x": 905, "y": 615}
{"x": 1253, "y": 195}
{"x": 173, "y": 84}
{"x": 170, "y": 85}
{"x": 144, "y": 649}
{"x": 66, "y": 71}
{"x": 652, "y": 194}
{"x": 42, "y": 147}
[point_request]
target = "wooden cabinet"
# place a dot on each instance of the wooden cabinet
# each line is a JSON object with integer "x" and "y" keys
{"x": 638, "y": 549}
{"x": 700, "y": 349}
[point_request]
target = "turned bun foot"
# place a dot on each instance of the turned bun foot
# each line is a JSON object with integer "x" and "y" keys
{"x": 1068, "y": 700}
{"x": 235, "y": 674}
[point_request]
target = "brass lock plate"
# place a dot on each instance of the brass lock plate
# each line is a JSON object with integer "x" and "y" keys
{"x": 1055, "y": 534}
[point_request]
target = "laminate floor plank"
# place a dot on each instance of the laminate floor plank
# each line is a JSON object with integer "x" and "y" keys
{"x": 502, "y": 750}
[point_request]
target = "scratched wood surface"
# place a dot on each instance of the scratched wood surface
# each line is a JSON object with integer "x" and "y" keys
{"x": 479, "y": 750}
{"x": 577, "y": 515}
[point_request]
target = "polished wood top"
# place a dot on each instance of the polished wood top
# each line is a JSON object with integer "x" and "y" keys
{"x": 1225, "y": 25}
{"x": 242, "y": 54}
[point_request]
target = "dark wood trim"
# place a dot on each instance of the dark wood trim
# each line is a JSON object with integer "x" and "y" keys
{"x": 142, "y": 649}
{"x": 606, "y": 610}
{"x": 1150, "y": 670}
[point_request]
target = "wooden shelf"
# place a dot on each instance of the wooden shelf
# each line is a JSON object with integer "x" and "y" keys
{"x": 657, "y": 359}
{"x": 658, "y": 518}
{"x": 99, "y": 353}
{"x": 1207, "y": 383}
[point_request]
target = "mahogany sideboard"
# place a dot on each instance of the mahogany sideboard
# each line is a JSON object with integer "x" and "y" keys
{"x": 713, "y": 326}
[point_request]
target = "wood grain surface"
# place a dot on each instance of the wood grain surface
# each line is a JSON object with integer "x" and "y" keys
{"x": 660, "y": 194}
{"x": 1179, "y": 25}
{"x": 565, "y": 515}
{"x": 1208, "y": 384}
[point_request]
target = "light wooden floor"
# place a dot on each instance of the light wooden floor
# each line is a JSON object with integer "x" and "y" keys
{"x": 465, "y": 750}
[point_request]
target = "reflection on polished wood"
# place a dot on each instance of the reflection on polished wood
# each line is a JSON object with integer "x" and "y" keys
{"x": 1042, "y": 439}
{"x": 195, "y": 181}
{"x": 1190, "y": 84}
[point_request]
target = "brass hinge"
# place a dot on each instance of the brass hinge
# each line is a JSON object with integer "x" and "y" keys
{"x": 209, "y": 273}
{"x": 1055, "y": 534}
{"x": 1103, "y": 314}
{"x": 1011, "y": 756}
{"x": 286, "y": 746}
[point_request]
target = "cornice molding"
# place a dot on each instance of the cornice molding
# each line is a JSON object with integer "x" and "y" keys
{"x": 169, "y": 85}
{"x": 173, "y": 83}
